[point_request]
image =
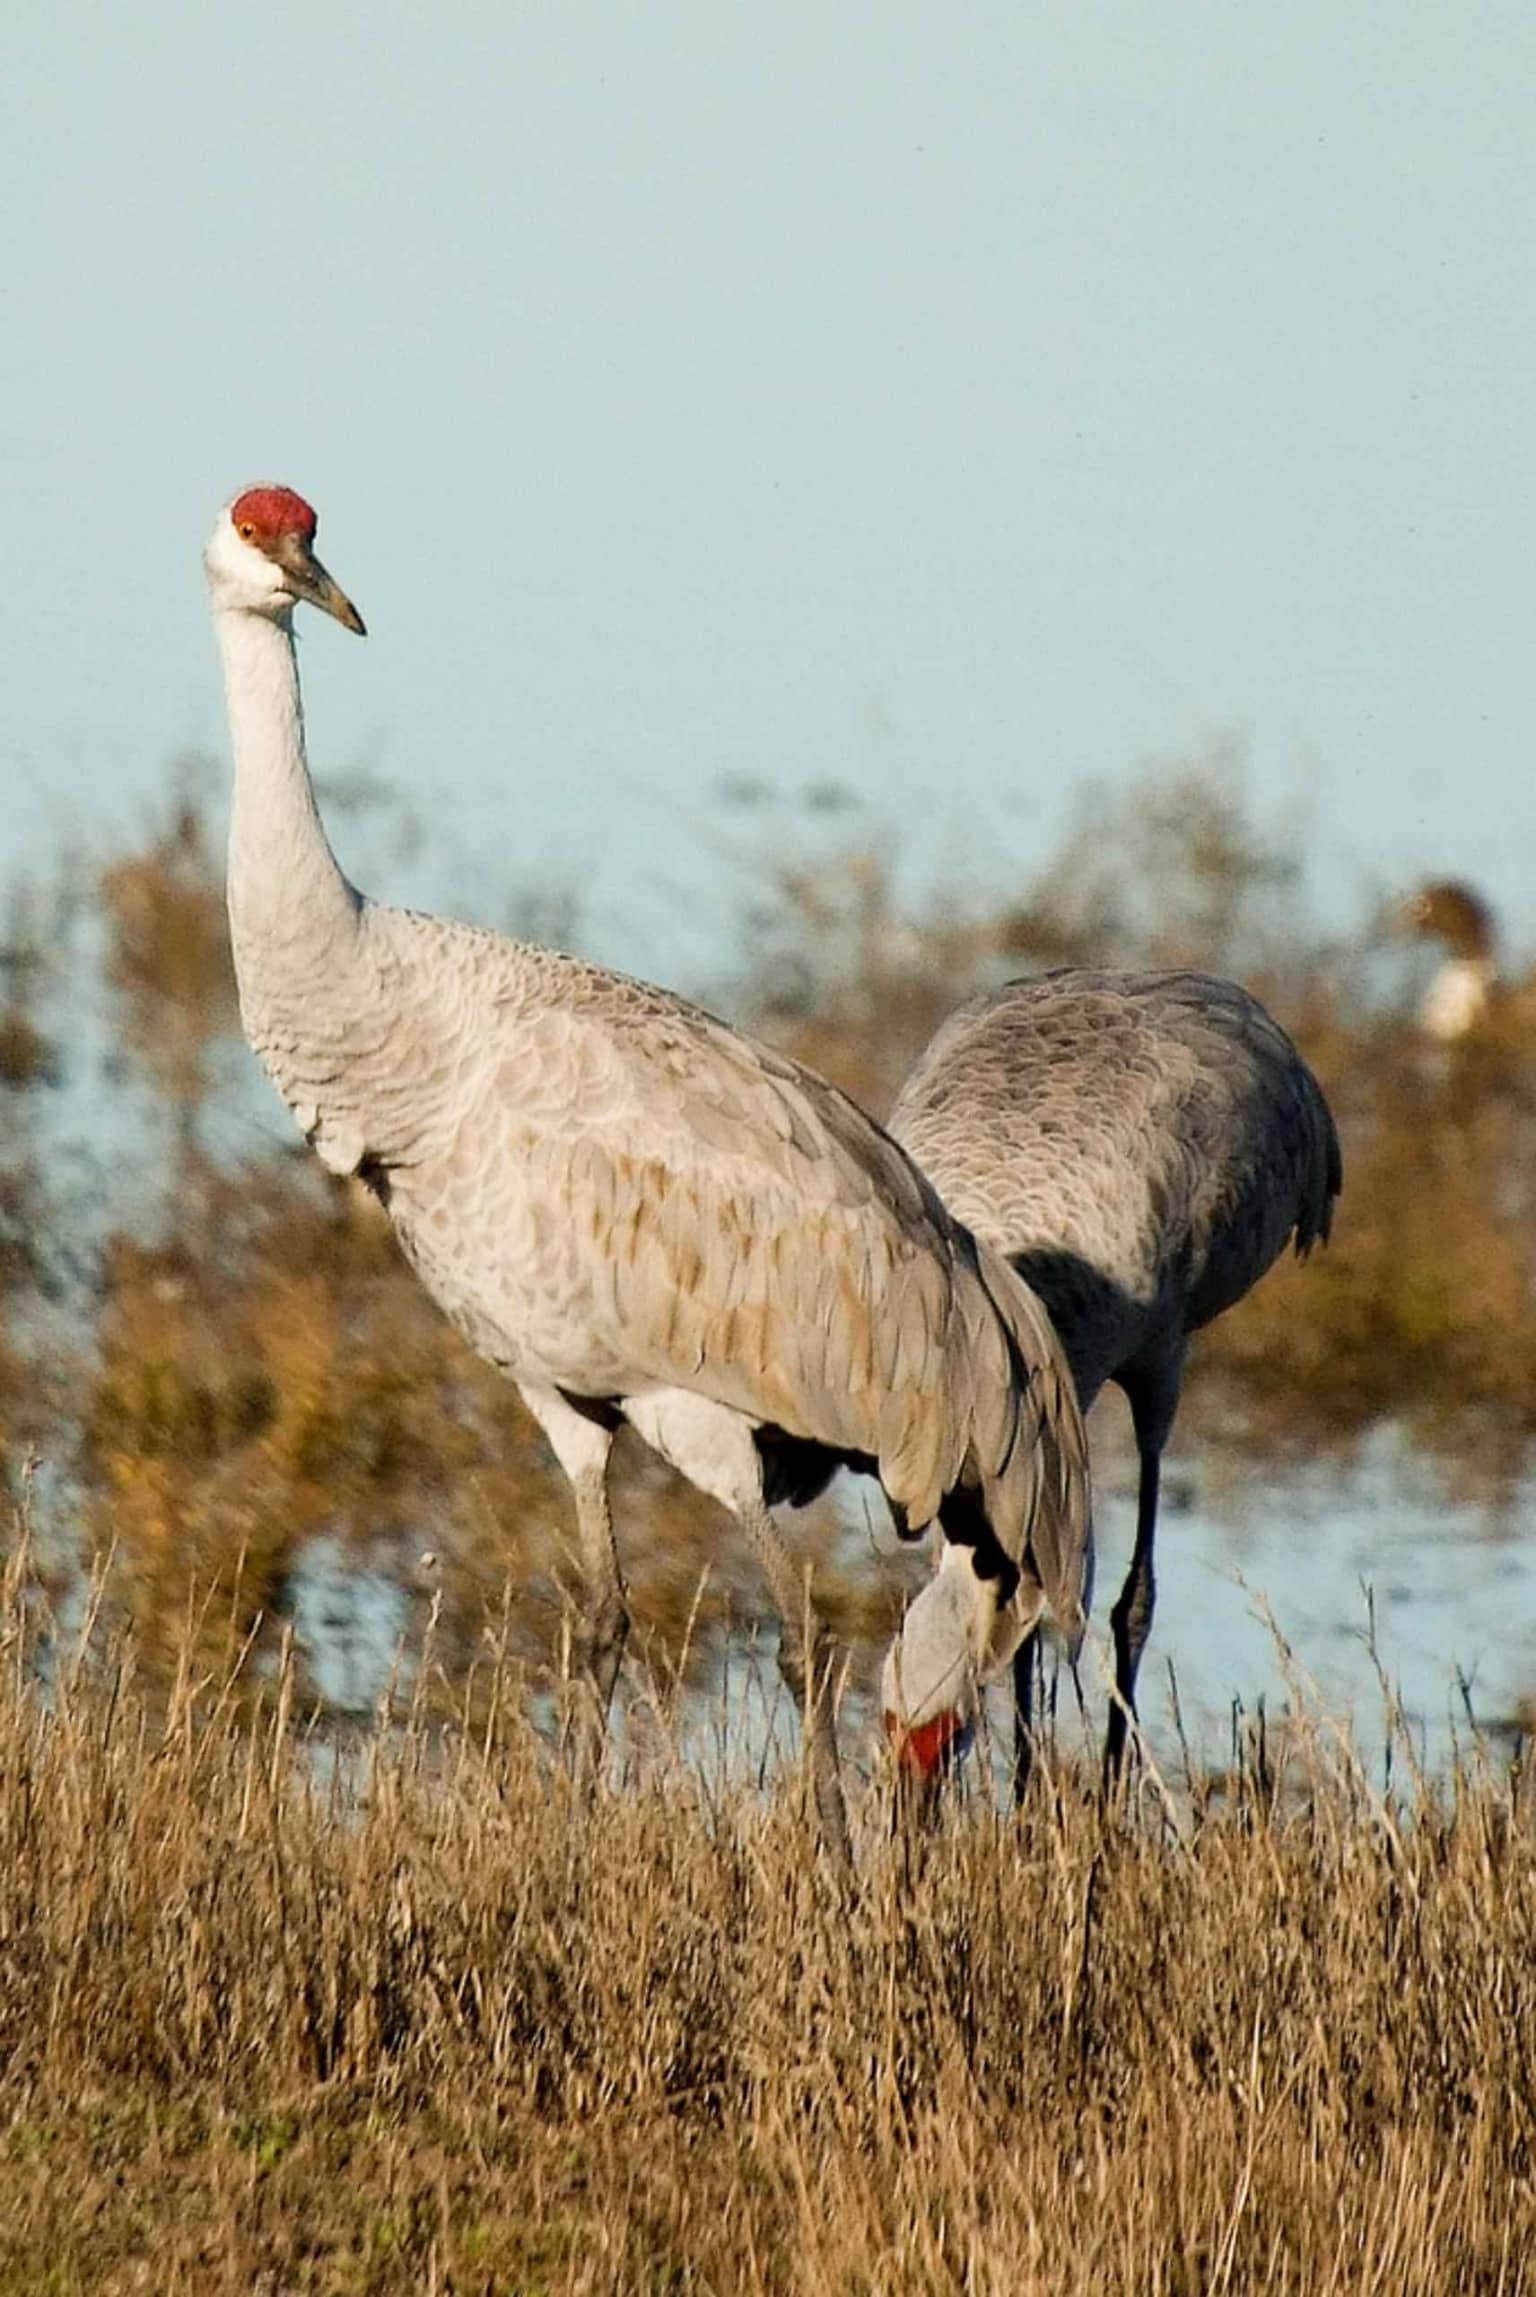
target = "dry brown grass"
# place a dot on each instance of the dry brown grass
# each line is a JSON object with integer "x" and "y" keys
{"x": 465, "y": 2028}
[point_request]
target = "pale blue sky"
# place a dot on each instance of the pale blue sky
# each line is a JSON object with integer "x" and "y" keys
{"x": 954, "y": 400}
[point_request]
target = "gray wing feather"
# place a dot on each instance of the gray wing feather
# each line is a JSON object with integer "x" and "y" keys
{"x": 1157, "y": 1133}
{"x": 710, "y": 1214}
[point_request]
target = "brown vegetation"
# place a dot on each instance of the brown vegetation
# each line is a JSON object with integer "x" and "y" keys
{"x": 439, "y": 2021}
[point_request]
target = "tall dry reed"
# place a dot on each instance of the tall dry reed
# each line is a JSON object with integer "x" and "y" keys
{"x": 435, "y": 2019}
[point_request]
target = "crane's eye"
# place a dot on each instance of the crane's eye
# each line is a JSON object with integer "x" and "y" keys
{"x": 246, "y": 529}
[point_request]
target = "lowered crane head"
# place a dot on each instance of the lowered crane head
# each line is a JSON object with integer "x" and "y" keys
{"x": 955, "y": 1638}
{"x": 260, "y": 559}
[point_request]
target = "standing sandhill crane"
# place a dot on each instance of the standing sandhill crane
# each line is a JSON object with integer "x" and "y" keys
{"x": 1140, "y": 1146}
{"x": 1470, "y": 992}
{"x": 637, "y": 1213}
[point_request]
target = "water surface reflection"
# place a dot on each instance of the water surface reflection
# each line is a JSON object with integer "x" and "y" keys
{"x": 1266, "y": 1582}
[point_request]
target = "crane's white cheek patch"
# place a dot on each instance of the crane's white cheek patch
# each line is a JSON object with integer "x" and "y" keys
{"x": 931, "y": 1666}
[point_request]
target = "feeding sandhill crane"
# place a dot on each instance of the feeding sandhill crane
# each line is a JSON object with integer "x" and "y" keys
{"x": 639, "y": 1214}
{"x": 1140, "y": 1146}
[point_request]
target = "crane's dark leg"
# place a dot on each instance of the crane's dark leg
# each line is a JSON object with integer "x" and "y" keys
{"x": 1026, "y": 1667}
{"x": 1152, "y": 1390}
{"x": 1130, "y": 1622}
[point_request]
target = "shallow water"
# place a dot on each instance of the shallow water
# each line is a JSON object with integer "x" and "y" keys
{"x": 1245, "y": 1560}
{"x": 1374, "y": 1576}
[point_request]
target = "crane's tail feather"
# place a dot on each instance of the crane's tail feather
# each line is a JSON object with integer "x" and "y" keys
{"x": 1029, "y": 1447}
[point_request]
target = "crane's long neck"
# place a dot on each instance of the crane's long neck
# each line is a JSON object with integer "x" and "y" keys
{"x": 292, "y": 913}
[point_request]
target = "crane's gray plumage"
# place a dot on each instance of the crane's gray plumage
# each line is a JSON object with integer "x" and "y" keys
{"x": 610, "y": 1191}
{"x": 1141, "y": 1147}
{"x": 629, "y": 1208}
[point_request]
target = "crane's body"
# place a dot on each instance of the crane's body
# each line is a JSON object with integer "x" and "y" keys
{"x": 631, "y": 1209}
{"x": 1141, "y": 1147}
{"x": 609, "y": 1193}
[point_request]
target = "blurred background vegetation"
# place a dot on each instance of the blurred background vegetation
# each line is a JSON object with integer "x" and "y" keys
{"x": 210, "y": 1352}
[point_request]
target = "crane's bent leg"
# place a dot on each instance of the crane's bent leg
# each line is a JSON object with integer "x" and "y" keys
{"x": 583, "y": 1443}
{"x": 1131, "y": 1620}
{"x": 712, "y": 1446}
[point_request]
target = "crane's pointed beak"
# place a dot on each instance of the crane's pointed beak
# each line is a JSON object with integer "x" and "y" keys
{"x": 329, "y": 596}
{"x": 316, "y": 587}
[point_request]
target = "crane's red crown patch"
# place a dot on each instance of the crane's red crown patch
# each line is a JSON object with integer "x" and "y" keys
{"x": 269, "y": 512}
